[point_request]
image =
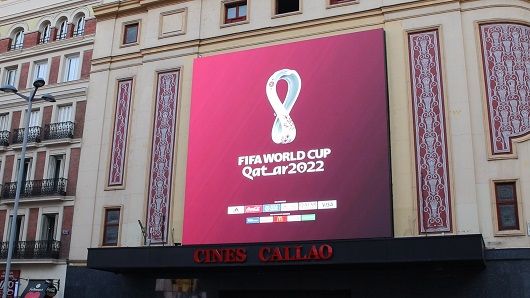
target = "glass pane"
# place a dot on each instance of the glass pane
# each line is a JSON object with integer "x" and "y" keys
{"x": 505, "y": 192}
{"x": 113, "y": 216}
{"x": 242, "y": 10}
{"x": 507, "y": 217}
{"x": 111, "y": 235}
{"x": 130, "y": 33}
{"x": 231, "y": 13}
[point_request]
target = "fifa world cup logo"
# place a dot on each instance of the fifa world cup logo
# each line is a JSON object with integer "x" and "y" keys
{"x": 283, "y": 129}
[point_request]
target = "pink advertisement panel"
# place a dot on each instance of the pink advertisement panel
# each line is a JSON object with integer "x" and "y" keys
{"x": 290, "y": 143}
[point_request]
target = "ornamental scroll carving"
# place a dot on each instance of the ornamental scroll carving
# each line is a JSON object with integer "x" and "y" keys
{"x": 429, "y": 133}
{"x": 506, "y": 57}
{"x": 119, "y": 137}
{"x": 161, "y": 168}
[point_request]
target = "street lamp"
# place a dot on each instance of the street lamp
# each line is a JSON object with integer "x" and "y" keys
{"x": 47, "y": 97}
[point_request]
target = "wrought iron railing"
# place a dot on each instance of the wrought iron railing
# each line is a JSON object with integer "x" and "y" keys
{"x": 33, "y": 135}
{"x": 43, "y": 249}
{"x": 61, "y": 36}
{"x": 79, "y": 32}
{"x": 36, "y": 188}
{"x": 59, "y": 130}
{"x": 45, "y": 39}
{"x": 4, "y": 138}
{"x": 16, "y": 46}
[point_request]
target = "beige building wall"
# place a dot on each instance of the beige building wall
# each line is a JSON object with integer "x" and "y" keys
{"x": 173, "y": 33}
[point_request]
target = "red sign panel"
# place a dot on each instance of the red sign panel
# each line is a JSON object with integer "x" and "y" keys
{"x": 290, "y": 143}
{"x": 14, "y": 276}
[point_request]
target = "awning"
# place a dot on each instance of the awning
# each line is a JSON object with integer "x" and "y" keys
{"x": 456, "y": 250}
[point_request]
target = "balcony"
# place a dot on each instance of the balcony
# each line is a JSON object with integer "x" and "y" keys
{"x": 36, "y": 188}
{"x": 61, "y": 130}
{"x": 4, "y": 138}
{"x": 33, "y": 135}
{"x": 43, "y": 249}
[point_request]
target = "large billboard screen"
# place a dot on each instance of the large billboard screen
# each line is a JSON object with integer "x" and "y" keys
{"x": 290, "y": 143}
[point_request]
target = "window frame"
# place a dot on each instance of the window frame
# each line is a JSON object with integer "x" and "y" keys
{"x": 7, "y": 78}
{"x": 126, "y": 26}
{"x": 18, "y": 40}
{"x": 36, "y": 69}
{"x": 62, "y": 31}
{"x": 67, "y": 68}
{"x": 227, "y": 5}
{"x": 45, "y": 34}
{"x": 79, "y": 29}
{"x": 518, "y": 230}
{"x": 277, "y": 14}
{"x": 342, "y": 2}
{"x": 106, "y": 225}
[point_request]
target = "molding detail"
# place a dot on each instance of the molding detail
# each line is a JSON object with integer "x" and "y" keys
{"x": 162, "y": 156}
{"x": 506, "y": 58}
{"x": 429, "y": 133}
{"x": 119, "y": 138}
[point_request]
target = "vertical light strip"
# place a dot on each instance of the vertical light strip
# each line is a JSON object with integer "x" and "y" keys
{"x": 434, "y": 202}
{"x": 119, "y": 139}
{"x": 506, "y": 56}
{"x": 161, "y": 168}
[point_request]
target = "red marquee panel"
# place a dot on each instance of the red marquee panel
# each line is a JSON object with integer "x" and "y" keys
{"x": 432, "y": 171}
{"x": 119, "y": 139}
{"x": 506, "y": 54}
{"x": 162, "y": 156}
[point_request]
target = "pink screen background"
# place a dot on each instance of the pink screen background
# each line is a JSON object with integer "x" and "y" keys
{"x": 342, "y": 106}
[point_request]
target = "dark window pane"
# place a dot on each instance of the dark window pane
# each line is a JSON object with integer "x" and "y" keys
{"x": 131, "y": 33}
{"x": 113, "y": 216}
{"x": 111, "y": 235}
{"x": 505, "y": 192}
{"x": 285, "y": 6}
{"x": 507, "y": 217}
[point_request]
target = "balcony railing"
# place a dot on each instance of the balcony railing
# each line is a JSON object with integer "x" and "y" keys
{"x": 33, "y": 135}
{"x": 36, "y": 188}
{"x": 45, "y": 39}
{"x": 43, "y": 249}
{"x": 16, "y": 46}
{"x": 79, "y": 32}
{"x": 61, "y": 130}
{"x": 4, "y": 138}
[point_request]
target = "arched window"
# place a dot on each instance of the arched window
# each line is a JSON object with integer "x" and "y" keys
{"x": 63, "y": 28}
{"x": 18, "y": 40}
{"x": 45, "y": 34}
{"x": 80, "y": 27}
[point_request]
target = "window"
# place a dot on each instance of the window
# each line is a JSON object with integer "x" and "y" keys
{"x": 18, "y": 40}
{"x": 235, "y": 12}
{"x": 41, "y": 69}
{"x": 45, "y": 34}
{"x": 49, "y": 227}
{"x": 61, "y": 31}
{"x": 26, "y": 175}
{"x": 287, "y": 6}
{"x": 333, "y": 2}
{"x": 4, "y": 129}
{"x": 64, "y": 114}
{"x": 80, "y": 27}
{"x": 130, "y": 33}
{"x": 506, "y": 201}
{"x": 11, "y": 76}
{"x": 56, "y": 167}
{"x": 112, "y": 225}
{"x": 71, "y": 68}
{"x": 19, "y": 228}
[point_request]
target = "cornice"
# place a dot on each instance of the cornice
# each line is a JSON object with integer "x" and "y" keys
{"x": 39, "y": 12}
{"x": 129, "y": 7}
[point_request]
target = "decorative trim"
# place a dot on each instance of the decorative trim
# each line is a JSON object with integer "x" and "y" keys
{"x": 120, "y": 134}
{"x": 162, "y": 150}
{"x": 429, "y": 133}
{"x": 506, "y": 58}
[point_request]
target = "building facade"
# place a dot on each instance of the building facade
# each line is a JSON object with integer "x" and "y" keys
{"x": 51, "y": 40}
{"x": 424, "y": 109}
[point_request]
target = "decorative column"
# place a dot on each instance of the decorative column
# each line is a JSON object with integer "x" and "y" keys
{"x": 119, "y": 138}
{"x": 432, "y": 173}
{"x": 506, "y": 56}
{"x": 162, "y": 150}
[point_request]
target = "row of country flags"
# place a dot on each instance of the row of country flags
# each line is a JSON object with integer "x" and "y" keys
{"x": 283, "y": 207}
